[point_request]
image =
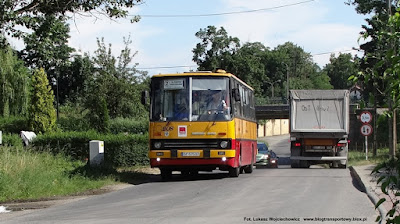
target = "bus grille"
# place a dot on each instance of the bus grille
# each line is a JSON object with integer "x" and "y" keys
{"x": 190, "y": 143}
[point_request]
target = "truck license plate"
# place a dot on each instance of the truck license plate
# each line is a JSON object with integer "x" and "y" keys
{"x": 190, "y": 154}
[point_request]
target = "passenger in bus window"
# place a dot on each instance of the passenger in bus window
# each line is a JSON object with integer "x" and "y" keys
{"x": 181, "y": 111}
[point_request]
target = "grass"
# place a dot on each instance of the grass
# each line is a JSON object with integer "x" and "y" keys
{"x": 28, "y": 175}
{"x": 357, "y": 158}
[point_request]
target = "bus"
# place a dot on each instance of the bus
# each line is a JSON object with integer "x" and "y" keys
{"x": 201, "y": 121}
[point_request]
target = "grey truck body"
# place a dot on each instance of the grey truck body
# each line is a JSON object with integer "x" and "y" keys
{"x": 319, "y": 127}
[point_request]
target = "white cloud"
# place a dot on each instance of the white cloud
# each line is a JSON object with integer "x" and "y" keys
{"x": 85, "y": 31}
{"x": 306, "y": 25}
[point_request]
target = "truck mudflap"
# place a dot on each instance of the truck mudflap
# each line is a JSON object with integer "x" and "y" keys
{"x": 319, "y": 158}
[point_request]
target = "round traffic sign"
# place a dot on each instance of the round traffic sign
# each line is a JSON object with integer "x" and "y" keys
{"x": 365, "y": 117}
{"x": 366, "y": 129}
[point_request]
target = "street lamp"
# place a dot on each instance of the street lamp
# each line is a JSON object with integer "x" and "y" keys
{"x": 55, "y": 82}
{"x": 272, "y": 86}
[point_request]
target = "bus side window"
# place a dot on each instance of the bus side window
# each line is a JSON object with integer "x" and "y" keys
{"x": 237, "y": 103}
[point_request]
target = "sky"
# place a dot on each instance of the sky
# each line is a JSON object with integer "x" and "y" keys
{"x": 164, "y": 43}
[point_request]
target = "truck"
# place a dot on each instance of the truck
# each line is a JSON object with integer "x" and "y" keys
{"x": 319, "y": 127}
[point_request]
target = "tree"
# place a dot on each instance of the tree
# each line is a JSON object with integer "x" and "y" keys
{"x": 215, "y": 50}
{"x": 248, "y": 65}
{"x": 42, "y": 115}
{"x": 14, "y": 82}
{"x": 377, "y": 61}
{"x": 340, "y": 69}
{"x": 73, "y": 76}
{"x": 257, "y": 65}
{"x": 19, "y": 15}
{"x": 47, "y": 47}
{"x": 382, "y": 67}
{"x": 302, "y": 72}
{"x": 117, "y": 81}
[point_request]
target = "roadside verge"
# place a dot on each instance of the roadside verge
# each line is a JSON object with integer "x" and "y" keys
{"x": 367, "y": 182}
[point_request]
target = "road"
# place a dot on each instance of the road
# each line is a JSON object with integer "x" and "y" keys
{"x": 282, "y": 193}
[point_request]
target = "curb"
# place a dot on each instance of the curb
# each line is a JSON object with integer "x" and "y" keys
{"x": 363, "y": 182}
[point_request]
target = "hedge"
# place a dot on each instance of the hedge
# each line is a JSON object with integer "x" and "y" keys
{"x": 119, "y": 150}
{"x": 13, "y": 124}
{"x": 117, "y": 125}
{"x": 129, "y": 125}
{"x": 12, "y": 140}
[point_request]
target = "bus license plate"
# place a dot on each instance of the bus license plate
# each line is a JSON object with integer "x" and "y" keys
{"x": 190, "y": 154}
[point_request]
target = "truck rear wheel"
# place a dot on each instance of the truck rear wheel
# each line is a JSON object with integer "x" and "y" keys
{"x": 295, "y": 163}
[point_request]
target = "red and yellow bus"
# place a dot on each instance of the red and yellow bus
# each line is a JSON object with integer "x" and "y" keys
{"x": 201, "y": 121}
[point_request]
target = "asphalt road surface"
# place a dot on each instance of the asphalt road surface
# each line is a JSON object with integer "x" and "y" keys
{"x": 281, "y": 195}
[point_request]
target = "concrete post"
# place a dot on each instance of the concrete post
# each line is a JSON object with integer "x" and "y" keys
{"x": 1, "y": 137}
{"x": 96, "y": 153}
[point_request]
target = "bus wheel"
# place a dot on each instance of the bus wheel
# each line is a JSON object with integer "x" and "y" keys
{"x": 249, "y": 169}
{"x": 166, "y": 174}
{"x": 234, "y": 171}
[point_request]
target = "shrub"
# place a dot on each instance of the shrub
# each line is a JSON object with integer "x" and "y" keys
{"x": 13, "y": 124}
{"x": 12, "y": 140}
{"x": 120, "y": 150}
{"x": 129, "y": 125}
{"x": 73, "y": 124}
{"x": 72, "y": 118}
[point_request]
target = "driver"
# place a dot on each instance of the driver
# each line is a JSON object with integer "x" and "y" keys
{"x": 216, "y": 103}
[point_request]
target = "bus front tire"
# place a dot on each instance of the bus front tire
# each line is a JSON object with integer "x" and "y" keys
{"x": 234, "y": 171}
{"x": 166, "y": 174}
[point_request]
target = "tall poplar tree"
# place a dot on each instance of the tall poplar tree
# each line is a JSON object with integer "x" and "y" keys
{"x": 42, "y": 115}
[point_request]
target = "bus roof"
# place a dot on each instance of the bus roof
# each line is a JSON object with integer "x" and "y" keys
{"x": 220, "y": 73}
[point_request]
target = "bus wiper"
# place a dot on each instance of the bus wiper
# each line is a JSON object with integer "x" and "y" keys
{"x": 215, "y": 117}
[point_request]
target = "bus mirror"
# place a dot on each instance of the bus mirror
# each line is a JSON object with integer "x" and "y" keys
{"x": 145, "y": 97}
{"x": 236, "y": 94}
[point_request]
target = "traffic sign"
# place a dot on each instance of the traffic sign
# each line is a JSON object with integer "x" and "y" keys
{"x": 366, "y": 129}
{"x": 365, "y": 117}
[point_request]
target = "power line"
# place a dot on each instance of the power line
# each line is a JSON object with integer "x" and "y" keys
{"x": 226, "y": 13}
{"x": 164, "y": 67}
{"x": 348, "y": 50}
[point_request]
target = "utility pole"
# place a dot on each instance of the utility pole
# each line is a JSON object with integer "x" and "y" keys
{"x": 287, "y": 83}
{"x": 392, "y": 124}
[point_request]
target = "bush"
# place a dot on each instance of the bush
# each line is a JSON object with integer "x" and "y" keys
{"x": 129, "y": 125}
{"x": 120, "y": 150}
{"x": 73, "y": 124}
{"x": 12, "y": 140}
{"x": 13, "y": 124}
{"x": 72, "y": 118}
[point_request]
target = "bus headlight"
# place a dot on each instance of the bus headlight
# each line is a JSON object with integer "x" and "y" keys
{"x": 223, "y": 144}
{"x": 157, "y": 145}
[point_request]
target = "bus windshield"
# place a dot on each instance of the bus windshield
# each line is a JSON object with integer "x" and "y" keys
{"x": 190, "y": 99}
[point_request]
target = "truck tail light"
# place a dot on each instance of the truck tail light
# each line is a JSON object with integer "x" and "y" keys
{"x": 297, "y": 144}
